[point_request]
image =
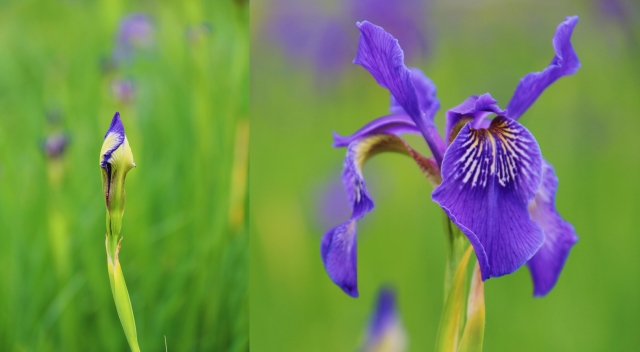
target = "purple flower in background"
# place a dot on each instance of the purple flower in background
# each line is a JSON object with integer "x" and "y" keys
{"x": 307, "y": 34}
{"x": 123, "y": 90}
{"x": 55, "y": 144}
{"x": 490, "y": 177}
{"x": 333, "y": 205}
{"x": 136, "y": 32}
{"x": 385, "y": 331}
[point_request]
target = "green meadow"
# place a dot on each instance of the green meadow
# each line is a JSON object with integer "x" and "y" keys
{"x": 185, "y": 247}
{"x": 587, "y": 126}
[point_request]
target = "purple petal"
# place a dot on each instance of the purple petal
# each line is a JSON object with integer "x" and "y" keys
{"x": 380, "y": 54}
{"x": 339, "y": 255}
{"x": 547, "y": 263}
{"x": 426, "y": 92}
{"x": 489, "y": 178}
{"x": 116, "y": 129}
{"x": 564, "y": 63}
{"x": 475, "y": 107}
{"x": 393, "y": 124}
{"x": 385, "y": 328}
{"x": 352, "y": 179}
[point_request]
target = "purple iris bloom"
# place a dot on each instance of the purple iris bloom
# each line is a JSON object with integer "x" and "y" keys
{"x": 490, "y": 177}
{"x": 385, "y": 331}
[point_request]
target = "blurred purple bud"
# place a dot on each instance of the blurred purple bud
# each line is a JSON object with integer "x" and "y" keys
{"x": 123, "y": 90}
{"x": 55, "y": 144}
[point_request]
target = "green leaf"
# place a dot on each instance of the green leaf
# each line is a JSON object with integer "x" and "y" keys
{"x": 123, "y": 303}
{"x": 473, "y": 335}
{"x": 451, "y": 322}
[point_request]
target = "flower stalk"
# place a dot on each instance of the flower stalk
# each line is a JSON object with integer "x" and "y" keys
{"x": 116, "y": 159}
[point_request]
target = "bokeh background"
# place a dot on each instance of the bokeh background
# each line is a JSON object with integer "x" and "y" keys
{"x": 178, "y": 72}
{"x": 303, "y": 87}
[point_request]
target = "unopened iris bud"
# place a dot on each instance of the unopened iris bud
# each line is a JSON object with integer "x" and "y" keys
{"x": 116, "y": 160}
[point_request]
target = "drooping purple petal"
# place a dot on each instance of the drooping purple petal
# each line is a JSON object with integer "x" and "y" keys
{"x": 564, "y": 63}
{"x": 426, "y": 92}
{"x": 385, "y": 329}
{"x": 353, "y": 181}
{"x": 475, "y": 107}
{"x": 394, "y": 124}
{"x": 342, "y": 267}
{"x": 115, "y": 137}
{"x": 489, "y": 178}
{"x": 339, "y": 255}
{"x": 547, "y": 263}
{"x": 380, "y": 54}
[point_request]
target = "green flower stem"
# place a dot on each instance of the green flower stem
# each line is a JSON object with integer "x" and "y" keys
{"x": 121, "y": 298}
{"x": 451, "y": 323}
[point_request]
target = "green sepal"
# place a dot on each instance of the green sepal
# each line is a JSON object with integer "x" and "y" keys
{"x": 452, "y": 316}
{"x": 473, "y": 336}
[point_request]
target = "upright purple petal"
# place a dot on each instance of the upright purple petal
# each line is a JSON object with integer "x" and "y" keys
{"x": 394, "y": 124}
{"x": 385, "y": 331}
{"x": 564, "y": 63}
{"x": 426, "y": 92}
{"x": 489, "y": 178}
{"x": 380, "y": 54}
{"x": 475, "y": 107}
{"x": 339, "y": 255}
{"x": 547, "y": 263}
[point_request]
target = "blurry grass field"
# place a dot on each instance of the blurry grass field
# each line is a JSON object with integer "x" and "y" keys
{"x": 185, "y": 247}
{"x": 587, "y": 127}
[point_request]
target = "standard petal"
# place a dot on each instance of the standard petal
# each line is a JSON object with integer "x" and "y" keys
{"x": 380, "y": 53}
{"x": 426, "y": 92}
{"x": 393, "y": 124}
{"x": 339, "y": 255}
{"x": 475, "y": 108}
{"x": 489, "y": 178}
{"x": 564, "y": 63}
{"x": 559, "y": 235}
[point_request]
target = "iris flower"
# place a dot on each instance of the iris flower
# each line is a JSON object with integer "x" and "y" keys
{"x": 489, "y": 174}
{"x": 385, "y": 331}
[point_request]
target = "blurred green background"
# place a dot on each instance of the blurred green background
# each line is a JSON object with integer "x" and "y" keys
{"x": 587, "y": 126}
{"x": 185, "y": 247}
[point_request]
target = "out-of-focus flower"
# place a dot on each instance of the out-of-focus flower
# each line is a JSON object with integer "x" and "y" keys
{"x": 123, "y": 90}
{"x": 490, "y": 177}
{"x": 136, "y": 32}
{"x": 55, "y": 145}
{"x": 307, "y": 34}
{"x": 385, "y": 332}
{"x": 333, "y": 205}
